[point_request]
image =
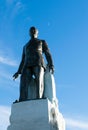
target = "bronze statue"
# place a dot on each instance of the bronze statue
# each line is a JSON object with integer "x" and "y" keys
{"x": 32, "y": 64}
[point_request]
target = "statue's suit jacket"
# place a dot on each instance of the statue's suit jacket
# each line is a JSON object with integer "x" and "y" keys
{"x": 33, "y": 54}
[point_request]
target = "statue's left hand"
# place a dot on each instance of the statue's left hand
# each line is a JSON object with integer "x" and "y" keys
{"x": 51, "y": 69}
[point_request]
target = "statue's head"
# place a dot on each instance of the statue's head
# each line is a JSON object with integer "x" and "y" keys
{"x": 33, "y": 32}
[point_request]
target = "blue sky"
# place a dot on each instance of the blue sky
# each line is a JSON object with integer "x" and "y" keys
{"x": 64, "y": 25}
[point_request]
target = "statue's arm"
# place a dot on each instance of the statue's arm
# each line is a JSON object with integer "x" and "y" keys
{"x": 22, "y": 62}
{"x": 20, "y": 66}
{"x": 48, "y": 56}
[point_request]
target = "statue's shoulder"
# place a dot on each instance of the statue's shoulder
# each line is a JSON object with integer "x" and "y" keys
{"x": 43, "y": 42}
{"x": 27, "y": 44}
{"x": 39, "y": 40}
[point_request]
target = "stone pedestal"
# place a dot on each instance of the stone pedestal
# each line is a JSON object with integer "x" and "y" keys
{"x": 36, "y": 115}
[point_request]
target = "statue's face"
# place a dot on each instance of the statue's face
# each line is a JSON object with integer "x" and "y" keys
{"x": 35, "y": 35}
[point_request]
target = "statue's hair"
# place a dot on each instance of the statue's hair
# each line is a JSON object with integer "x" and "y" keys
{"x": 33, "y": 30}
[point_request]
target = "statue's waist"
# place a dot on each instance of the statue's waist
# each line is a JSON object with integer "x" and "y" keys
{"x": 34, "y": 60}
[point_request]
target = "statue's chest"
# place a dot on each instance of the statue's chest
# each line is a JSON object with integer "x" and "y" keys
{"x": 35, "y": 46}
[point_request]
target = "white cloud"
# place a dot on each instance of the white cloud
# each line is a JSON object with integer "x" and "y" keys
{"x": 19, "y": 5}
{"x": 73, "y": 123}
{"x": 9, "y": 1}
{"x": 18, "y": 8}
{"x": 14, "y": 7}
{"x": 4, "y": 117}
{"x": 7, "y": 61}
{"x": 6, "y": 80}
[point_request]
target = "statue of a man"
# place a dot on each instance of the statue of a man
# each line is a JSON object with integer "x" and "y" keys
{"x": 32, "y": 64}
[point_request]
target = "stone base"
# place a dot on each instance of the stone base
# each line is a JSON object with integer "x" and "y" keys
{"x": 36, "y": 115}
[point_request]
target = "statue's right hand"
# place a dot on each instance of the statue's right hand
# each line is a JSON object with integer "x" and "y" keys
{"x": 15, "y": 75}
